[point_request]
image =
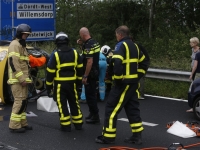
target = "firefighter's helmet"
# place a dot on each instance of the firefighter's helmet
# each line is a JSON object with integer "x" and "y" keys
{"x": 105, "y": 49}
{"x": 23, "y": 28}
{"x": 61, "y": 38}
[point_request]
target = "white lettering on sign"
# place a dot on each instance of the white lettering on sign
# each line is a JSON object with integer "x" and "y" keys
{"x": 34, "y": 6}
{"x": 42, "y": 34}
{"x": 34, "y": 14}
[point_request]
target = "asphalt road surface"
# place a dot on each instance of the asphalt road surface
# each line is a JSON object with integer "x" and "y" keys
{"x": 155, "y": 113}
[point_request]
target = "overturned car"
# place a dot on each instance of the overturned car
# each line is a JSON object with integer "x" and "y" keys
{"x": 37, "y": 73}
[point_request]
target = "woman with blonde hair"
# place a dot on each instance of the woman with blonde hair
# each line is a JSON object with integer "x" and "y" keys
{"x": 195, "y": 64}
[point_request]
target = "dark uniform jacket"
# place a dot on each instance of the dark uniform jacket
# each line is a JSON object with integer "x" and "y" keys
{"x": 128, "y": 63}
{"x": 65, "y": 65}
{"x": 91, "y": 49}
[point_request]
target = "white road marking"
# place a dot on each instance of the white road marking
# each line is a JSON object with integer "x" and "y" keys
{"x": 143, "y": 123}
{"x": 174, "y": 99}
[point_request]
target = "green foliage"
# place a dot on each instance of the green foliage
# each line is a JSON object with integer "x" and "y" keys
{"x": 166, "y": 88}
{"x": 174, "y": 23}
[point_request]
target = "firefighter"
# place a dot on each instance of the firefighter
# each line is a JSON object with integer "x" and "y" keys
{"x": 18, "y": 66}
{"x": 64, "y": 74}
{"x": 91, "y": 50}
{"x": 127, "y": 70}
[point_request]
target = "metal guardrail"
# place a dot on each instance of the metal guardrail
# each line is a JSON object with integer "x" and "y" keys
{"x": 168, "y": 74}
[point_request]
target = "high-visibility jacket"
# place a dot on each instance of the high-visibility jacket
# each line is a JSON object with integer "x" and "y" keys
{"x": 65, "y": 64}
{"x": 18, "y": 63}
{"x": 128, "y": 62}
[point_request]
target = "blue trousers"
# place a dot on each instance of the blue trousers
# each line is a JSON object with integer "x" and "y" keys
{"x": 102, "y": 74}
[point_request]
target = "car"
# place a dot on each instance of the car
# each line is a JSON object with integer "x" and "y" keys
{"x": 194, "y": 97}
{"x": 37, "y": 88}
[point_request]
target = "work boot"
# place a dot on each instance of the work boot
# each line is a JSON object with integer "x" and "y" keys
{"x": 28, "y": 127}
{"x": 136, "y": 138}
{"x": 89, "y": 116}
{"x": 94, "y": 119}
{"x": 65, "y": 128}
{"x": 102, "y": 140}
{"x": 20, "y": 130}
{"x": 78, "y": 126}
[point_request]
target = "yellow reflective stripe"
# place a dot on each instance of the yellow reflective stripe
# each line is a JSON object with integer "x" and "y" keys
{"x": 137, "y": 130}
{"x": 65, "y": 123}
{"x": 93, "y": 50}
{"x": 64, "y": 78}
{"x": 23, "y": 58}
{"x": 28, "y": 80}
{"x": 76, "y": 58}
{"x": 130, "y": 60}
{"x": 77, "y": 121}
{"x": 23, "y": 116}
{"x": 58, "y": 101}
{"x": 51, "y": 70}
{"x": 127, "y": 59}
{"x": 130, "y": 76}
{"x": 49, "y": 83}
{"x": 80, "y": 65}
{"x": 77, "y": 117}
{"x": 16, "y": 80}
{"x": 141, "y": 70}
{"x": 13, "y": 54}
{"x": 118, "y": 56}
{"x": 137, "y": 50}
{"x": 136, "y": 124}
{"x": 58, "y": 63}
{"x": 142, "y": 58}
{"x": 79, "y": 78}
{"x": 111, "y": 130}
{"x": 19, "y": 74}
{"x": 15, "y": 117}
{"x": 117, "y": 107}
{"x": 118, "y": 77}
{"x": 65, "y": 65}
{"x": 77, "y": 103}
{"x": 65, "y": 118}
{"x": 109, "y": 135}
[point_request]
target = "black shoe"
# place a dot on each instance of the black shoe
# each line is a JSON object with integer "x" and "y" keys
{"x": 93, "y": 120}
{"x": 136, "y": 138}
{"x": 101, "y": 139}
{"x": 78, "y": 126}
{"x": 89, "y": 116}
{"x": 28, "y": 127}
{"x": 20, "y": 130}
{"x": 65, "y": 128}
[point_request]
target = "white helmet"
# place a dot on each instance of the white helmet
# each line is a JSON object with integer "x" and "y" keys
{"x": 105, "y": 49}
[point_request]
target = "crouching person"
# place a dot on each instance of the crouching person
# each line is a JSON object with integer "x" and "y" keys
{"x": 64, "y": 74}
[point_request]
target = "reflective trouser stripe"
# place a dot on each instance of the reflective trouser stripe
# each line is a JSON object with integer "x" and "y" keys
{"x": 78, "y": 118}
{"x": 64, "y": 120}
{"x": 23, "y": 116}
{"x": 16, "y": 117}
{"x": 110, "y": 132}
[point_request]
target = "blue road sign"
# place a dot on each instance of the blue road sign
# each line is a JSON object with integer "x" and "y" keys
{"x": 39, "y": 14}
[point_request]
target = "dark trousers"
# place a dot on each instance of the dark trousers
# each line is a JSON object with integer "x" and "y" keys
{"x": 67, "y": 92}
{"x": 122, "y": 96}
{"x": 90, "y": 94}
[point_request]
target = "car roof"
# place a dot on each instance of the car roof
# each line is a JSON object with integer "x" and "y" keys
{"x": 4, "y": 43}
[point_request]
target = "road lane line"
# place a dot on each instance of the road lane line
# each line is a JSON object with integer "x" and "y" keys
{"x": 143, "y": 123}
{"x": 174, "y": 99}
